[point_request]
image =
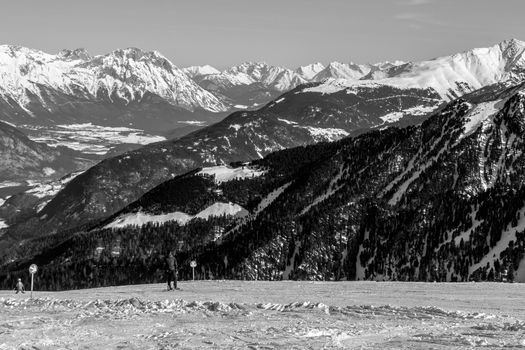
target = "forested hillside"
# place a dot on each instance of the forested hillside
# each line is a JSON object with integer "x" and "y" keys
{"x": 440, "y": 201}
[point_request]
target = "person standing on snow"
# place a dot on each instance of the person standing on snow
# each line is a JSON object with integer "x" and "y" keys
{"x": 171, "y": 271}
{"x": 19, "y": 288}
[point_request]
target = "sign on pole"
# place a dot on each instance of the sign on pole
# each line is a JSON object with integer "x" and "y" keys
{"x": 32, "y": 270}
{"x": 193, "y": 265}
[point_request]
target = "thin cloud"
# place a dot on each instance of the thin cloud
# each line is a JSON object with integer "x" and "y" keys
{"x": 417, "y": 19}
{"x": 417, "y": 2}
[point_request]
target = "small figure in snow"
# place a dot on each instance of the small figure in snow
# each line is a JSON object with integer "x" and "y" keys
{"x": 171, "y": 271}
{"x": 19, "y": 288}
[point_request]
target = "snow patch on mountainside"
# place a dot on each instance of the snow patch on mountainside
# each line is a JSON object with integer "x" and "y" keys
{"x": 420, "y": 110}
{"x": 48, "y": 171}
{"x": 325, "y": 134}
{"x": 192, "y": 122}
{"x": 142, "y": 218}
{"x": 48, "y": 189}
{"x": 289, "y": 122}
{"x": 6, "y": 184}
{"x": 478, "y": 114}
{"x": 413, "y": 111}
{"x": 220, "y": 209}
{"x": 392, "y": 117}
{"x": 224, "y": 173}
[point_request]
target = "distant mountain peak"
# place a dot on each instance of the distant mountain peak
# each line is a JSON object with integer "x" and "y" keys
{"x": 310, "y": 70}
{"x": 76, "y": 54}
{"x": 388, "y": 64}
{"x": 513, "y": 42}
{"x": 137, "y": 54}
{"x": 249, "y": 67}
{"x": 338, "y": 70}
{"x": 199, "y": 71}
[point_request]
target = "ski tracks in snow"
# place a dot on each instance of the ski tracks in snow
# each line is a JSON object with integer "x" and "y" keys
{"x": 176, "y": 323}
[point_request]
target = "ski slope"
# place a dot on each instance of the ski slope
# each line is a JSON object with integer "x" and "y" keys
{"x": 269, "y": 315}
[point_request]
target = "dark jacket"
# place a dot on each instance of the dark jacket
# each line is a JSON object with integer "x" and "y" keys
{"x": 19, "y": 287}
{"x": 171, "y": 263}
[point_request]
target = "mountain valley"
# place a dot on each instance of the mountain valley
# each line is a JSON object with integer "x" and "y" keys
{"x": 442, "y": 200}
{"x": 379, "y": 172}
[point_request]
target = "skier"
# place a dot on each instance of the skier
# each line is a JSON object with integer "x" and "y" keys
{"x": 19, "y": 287}
{"x": 171, "y": 271}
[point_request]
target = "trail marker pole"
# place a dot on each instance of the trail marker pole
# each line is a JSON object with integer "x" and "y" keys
{"x": 193, "y": 265}
{"x": 32, "y": 270}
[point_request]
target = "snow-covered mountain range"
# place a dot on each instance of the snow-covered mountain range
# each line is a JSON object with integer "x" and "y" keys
{"x": 42, "y": 93}
{"x": 123, "y": 74}
{"x": 450, "y": 76}
{"x": 36, "y": 85}
{"x": 254, "y": 83}
{"x": 146, "y": 90}
{"x": 351, "y": 100}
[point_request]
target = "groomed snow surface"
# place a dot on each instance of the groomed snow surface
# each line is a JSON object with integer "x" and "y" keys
{"x": 268, "y": 315}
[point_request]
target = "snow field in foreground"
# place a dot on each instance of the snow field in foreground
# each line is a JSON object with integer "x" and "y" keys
{"x": 269, "y": 315}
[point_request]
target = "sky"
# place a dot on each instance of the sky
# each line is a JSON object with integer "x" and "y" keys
{"x": 289, "y": 33}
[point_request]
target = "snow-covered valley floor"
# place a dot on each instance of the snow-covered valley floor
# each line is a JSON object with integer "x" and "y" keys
{"x": 89, "y": 138}
{"x": 268, "y": 315}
